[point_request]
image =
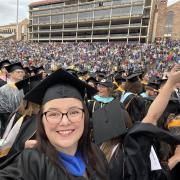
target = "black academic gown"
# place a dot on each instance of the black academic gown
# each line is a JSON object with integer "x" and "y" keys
{"x": 131, "y": 161}
{"x": 34, "y": 165}
{"x": 27, "y": 130}
{"x": 175, "y": 172}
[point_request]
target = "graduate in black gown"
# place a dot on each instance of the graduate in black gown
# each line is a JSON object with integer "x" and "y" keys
{"x": 22, "y": 124}
{"x": 64, "y": 150}
{"x": 133, "y": 156}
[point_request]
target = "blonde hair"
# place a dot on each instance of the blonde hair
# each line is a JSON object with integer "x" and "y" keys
{"x": 108, "y": 147}
{"x": 28, "y": 108}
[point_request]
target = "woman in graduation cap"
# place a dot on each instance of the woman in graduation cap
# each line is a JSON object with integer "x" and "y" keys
{"x": 135, "y": 105}
{"x": 21, "y": 129}
{"x": 103, "y": 97}
{"x": 64, "y": 150}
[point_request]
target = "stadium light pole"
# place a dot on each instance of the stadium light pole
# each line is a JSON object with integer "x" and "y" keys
{"x": 17, "y": 20}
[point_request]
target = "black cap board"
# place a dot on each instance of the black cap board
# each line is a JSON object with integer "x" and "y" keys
{"x": 91, "y": 79}
{"x": 27, "y": 70}
{"x": 106, "y": 83}
{"x": 29, "y": 83}
{"x": 72, "y": 71}
{"x": 109, "y": 122}
{"x": 162, "y": 81}
{"x": 38, "y": 70}
{"x": 153, "y": 85}
{"x": 13, "y": 67}
{"x": 133, "y": 77}
{"x": 4, "y": 62}
{"x": 59, "y": 84}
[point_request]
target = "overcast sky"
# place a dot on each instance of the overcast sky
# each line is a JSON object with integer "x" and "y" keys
{"x": 8, "y": 10}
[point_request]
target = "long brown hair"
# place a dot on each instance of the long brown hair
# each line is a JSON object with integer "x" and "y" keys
{"x": 134, "y": 87}
{"x": 28, "y": 108}
{"x": 84, "y": 146}
{"x": 108, "y": 146}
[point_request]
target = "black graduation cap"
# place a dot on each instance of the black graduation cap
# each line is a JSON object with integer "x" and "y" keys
{"x": 4, "y": 62}
{"x": 101, "y": 74}
{"x": 133, "y": 77}
{"x": 118, "y": 78}
{"x": 106, "y": 82}
{"x": 153, "y": 85}
{"x": 120, "y": 71}
{"x": 82, "y": 72}
{"x": 154, "y": 79}
{"x": 38, "y": 69}
{"x": 27, "y": 70}
{"x": 59, "y": 84}
{"x": 13, "y": 67}
{"x": 109, "y": 122}
{"x": 92, "y": 78}
{"x": 29, "y": 83}
{"x": 162, "y": 81}
{"x": 72, "y": 71}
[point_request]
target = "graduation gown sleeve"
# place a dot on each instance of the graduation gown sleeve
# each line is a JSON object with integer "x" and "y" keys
{"x": 34, "y": 165}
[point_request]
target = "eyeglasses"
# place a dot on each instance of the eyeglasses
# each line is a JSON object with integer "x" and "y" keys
{"x": 73, "y": 115}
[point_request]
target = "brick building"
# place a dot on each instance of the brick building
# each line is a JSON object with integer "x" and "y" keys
{"x": 168, "y": 20}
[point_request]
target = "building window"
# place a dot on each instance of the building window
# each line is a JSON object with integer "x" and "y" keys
{"x": 85, "y": 15}
{"x": 44, "y": 20}
{"x": 169, "y": 23}
{"x": 70, "y": 17}
{"x": 102, "y": 14}
{"x": 57, "y": 18}
{"x": 121, "y": 11}
{"x": 136, "y": 10}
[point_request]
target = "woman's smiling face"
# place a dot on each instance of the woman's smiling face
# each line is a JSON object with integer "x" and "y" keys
{"x": 64, "y": 134}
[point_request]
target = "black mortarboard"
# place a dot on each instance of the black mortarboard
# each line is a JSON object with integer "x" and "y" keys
{"x": 133, "y": 77}
{"x": 153, "y": 85}
{"x": 29, "y": 83}
{"x": 13, "y": 67}
{"x": 107, "y": 83}
{"x": 118, "y": 78}
{"x": 72, "y": 71}
{"x": 92, "y": 78}
{"x": 109, "y": 122}
{"x": 101, "y": 74}
{"x": 120, "y": 71}
{"x": 4, "y": 62}
{"x": 38, "y": 69}
{"x": 27, "y": 70}
{"x": 154, "y": 79}
{"x": 59, "y": 84}
{"x": 82, "y": 72}
{"x": 162, "y": 81}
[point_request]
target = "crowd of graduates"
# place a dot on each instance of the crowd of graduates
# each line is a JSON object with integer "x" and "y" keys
{"x": 89, "y": 111}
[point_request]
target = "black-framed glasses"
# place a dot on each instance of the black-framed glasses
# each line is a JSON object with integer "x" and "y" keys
{"x": 55, "y": 117}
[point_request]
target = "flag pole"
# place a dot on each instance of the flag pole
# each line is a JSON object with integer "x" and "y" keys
{"x": 17, "y": 21}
